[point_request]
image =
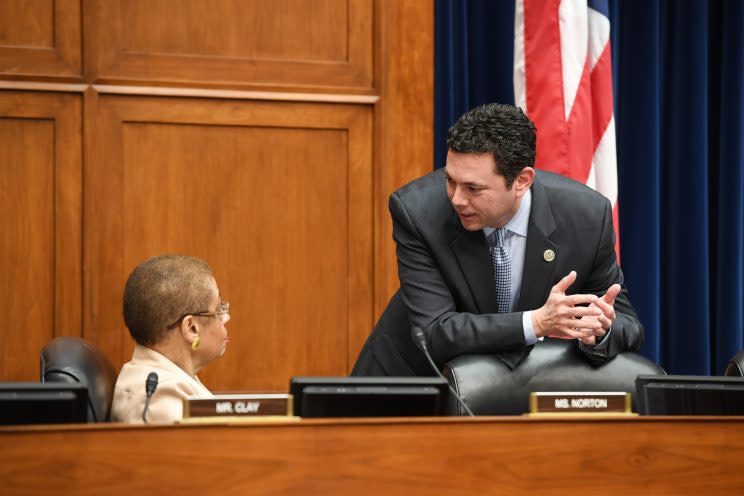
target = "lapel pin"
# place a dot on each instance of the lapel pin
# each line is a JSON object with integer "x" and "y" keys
{"x": 549, "y": 255}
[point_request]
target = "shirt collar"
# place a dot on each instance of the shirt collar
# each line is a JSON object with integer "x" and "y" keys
{"x": 520, "y": 221}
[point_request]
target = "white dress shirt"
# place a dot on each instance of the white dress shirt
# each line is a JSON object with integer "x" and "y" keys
{"x": 515, "y": 243}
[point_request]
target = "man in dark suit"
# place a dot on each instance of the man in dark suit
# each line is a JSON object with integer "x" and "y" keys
{"x": 494, "y": 256}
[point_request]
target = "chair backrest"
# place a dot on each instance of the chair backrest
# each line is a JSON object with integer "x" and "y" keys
{"x": 489, "y": 387}
{"x": 735, "y": 366}
{"x": 69, "y": 359}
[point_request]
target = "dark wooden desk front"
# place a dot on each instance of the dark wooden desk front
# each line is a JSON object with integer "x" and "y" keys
{"x": 382, "y": 457}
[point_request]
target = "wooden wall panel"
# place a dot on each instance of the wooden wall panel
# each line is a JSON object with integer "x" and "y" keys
{"x": 40, "y": 38}
{"x": 276, "y": 196}
{"x": 40, "y": 234}
{"x": 27, "y": 23}
{"x": 404, "y": 119}
{"x": 367, "y": 65}
{"x": 237, "y": 43}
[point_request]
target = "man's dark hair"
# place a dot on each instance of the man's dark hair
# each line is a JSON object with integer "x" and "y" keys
{"x": 162, "y": 289}
{"x": 502, "y": 130}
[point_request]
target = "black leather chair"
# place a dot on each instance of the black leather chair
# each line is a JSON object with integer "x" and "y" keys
{"x": 735, "y": 366}
{"x": 69, "y": 359}
{"x": 489, "y": 387}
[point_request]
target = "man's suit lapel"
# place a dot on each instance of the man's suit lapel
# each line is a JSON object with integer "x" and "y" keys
{"x": 471, "y": 250}
{"x": 538, "y": 273}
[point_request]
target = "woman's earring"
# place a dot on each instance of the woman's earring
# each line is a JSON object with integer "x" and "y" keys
{"x": 195, "y": 343}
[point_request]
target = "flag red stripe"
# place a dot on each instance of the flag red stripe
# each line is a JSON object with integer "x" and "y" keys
{"x": 567, "y": 145}
{"x": 581, "y": 149}
{"x": 544, "y": 84}
{"x": 602, "y": 106}
{"x": 616, "y": 225}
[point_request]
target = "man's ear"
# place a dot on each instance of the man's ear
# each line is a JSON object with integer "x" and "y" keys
{"x": 523, "y": 181}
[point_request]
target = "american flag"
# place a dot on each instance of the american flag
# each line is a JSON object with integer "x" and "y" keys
{"x": 563, "y": 81}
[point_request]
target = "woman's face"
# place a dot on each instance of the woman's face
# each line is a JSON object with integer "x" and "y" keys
{"x": 213, "y": 335}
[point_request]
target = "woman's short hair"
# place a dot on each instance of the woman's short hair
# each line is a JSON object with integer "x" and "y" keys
{"x": 162, "y": 289}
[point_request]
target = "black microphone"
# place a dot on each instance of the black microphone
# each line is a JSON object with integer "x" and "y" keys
{"x": 417, "y": 334}
{"x": 150, "y": 384}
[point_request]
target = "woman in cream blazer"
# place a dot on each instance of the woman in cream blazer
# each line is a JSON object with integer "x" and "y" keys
{"x": 173, "y": 311}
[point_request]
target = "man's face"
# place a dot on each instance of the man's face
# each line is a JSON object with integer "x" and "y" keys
{"x": 479, "y": 194}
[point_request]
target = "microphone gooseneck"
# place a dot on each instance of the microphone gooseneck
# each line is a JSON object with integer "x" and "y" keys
{"x": 150, "y": 385}
{"x": 417, "y": 334}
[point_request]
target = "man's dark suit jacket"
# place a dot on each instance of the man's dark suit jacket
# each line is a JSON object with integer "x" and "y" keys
{"x": 447, "y": 286}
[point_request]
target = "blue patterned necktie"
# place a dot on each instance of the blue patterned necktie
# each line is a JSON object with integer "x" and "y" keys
{"x": 501, "y": 269}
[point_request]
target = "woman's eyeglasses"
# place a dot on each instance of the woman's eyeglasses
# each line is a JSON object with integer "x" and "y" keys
{"x": 223, "y": 313}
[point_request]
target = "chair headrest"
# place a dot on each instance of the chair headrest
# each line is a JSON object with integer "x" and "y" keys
{"x": 735, "y": 366}
{"x": 70, "y": 359}
{"x": 489, "y": 387}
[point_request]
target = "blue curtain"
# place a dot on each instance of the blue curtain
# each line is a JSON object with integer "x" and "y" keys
{"x": 473, "y": 58}
{"x": 678, "y": 71}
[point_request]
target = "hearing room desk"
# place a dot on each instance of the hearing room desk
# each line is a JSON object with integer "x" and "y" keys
{"x": 412, "y": 456}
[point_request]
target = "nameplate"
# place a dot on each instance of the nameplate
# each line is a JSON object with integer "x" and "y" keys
{"x": 573, "y": 403}
{"x": 238, "y": 405}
